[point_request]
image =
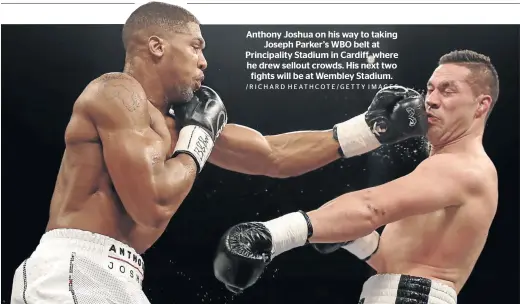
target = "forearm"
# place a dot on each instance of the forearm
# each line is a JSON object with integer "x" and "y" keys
{"x": 163, "y": 192}
{"x": 297, "y": 153}
{"x": 176, "y": 179}
{"x": 245, "y": 150}
{"x": 348, "y": 217}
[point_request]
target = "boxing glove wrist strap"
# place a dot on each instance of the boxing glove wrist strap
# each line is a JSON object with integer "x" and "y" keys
{"x": 355, "y": 137}
{"x": 310, "y": 230}
{"x": 363, "y": 248}
{"x": 287, "y": 232}
{"x": 196, "y": 142}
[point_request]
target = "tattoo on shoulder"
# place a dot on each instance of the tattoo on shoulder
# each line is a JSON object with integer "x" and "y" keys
{"x": 132, "y": 101}
{"x": 122, "y": 92}
{"x": 113, "y": 76}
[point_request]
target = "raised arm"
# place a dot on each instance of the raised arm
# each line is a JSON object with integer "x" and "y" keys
{"x": 150, "y": 185}
{"x": 245, "y": 150}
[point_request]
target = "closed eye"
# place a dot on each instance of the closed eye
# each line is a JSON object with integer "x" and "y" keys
{"x": 448, "y": 92}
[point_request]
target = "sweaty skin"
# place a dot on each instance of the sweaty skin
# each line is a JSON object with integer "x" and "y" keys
{"x": 116, "y": 177}
{"x": 437, "y": 217}
{"x": 443, "y": 244}
{"x": 244, "y": 150}
{"x": 117, "y": 140}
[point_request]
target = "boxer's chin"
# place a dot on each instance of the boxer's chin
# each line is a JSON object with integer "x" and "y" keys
{"x": 186, "y": 95}
{"x": 434, "y": 135}
{"x": 183, "y": 96}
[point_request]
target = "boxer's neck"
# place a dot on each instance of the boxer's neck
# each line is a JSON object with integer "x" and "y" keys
{"x": 466, "y": 143}
{"x": 139, "y": 69}
{"x": 467, "y": 140}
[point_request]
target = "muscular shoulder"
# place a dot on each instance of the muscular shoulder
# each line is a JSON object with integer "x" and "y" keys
{"x": 118, "y": 88}
{"x": 115, "y": 97}
{"x": 475, "y": 175}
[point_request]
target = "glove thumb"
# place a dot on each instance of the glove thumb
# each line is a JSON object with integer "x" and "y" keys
{"x": 387, "y": 98}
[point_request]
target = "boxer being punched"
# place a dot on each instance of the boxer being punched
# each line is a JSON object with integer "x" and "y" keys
{"x": 437, "y": 217}
{"x": 126, "y": 169}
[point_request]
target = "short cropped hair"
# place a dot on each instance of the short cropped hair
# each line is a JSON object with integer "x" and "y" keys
{"x": 156, "y": 16}
{"x": 484, "y": 76}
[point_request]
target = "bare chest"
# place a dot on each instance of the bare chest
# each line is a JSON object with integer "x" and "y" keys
{"x": 443, "y": 244}
{"x": 417, "y": 235}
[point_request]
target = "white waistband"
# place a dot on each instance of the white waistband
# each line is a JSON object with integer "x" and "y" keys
{"x": 95, "y": 245}
{"x": 387, "y": 288}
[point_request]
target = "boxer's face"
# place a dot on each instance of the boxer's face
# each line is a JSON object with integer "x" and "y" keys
{"x": 182, "y": 62}
{"x": 450, "y": 102}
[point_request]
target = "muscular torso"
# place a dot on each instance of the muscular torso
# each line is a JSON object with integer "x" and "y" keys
{"x": 84, "y": 196}
{"x": 443, "y": 245}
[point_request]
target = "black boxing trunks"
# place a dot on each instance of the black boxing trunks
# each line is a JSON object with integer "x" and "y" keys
{"x": 404, "y": 289}
{"x": 72, "y": 266}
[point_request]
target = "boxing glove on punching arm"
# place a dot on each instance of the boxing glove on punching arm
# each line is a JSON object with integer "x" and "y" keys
{"x": 395, "y": 114}
{"x": 245, "y": 150}
{"x": 201, "y": 121}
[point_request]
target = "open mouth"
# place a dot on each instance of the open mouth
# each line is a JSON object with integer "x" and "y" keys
{"x": 431, "y": 117}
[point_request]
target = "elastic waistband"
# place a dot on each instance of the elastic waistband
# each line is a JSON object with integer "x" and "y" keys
{"x": 396, "y": 288}
{"x": 90, "y": 244}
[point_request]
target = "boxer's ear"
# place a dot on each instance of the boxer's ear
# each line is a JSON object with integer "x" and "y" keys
{"x": 156, "y": 46}
{"x": 483, "y": 105}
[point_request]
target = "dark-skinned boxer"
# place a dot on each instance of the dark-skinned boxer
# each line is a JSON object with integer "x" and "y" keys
{"x": 127, "y": 168}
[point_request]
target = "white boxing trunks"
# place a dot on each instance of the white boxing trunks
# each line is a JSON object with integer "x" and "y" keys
{"x": 404, "y": 289}
{"x": 73, "y": 266}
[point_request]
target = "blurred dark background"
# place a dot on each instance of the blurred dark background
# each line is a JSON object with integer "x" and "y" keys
{"x": 45, "y": 67}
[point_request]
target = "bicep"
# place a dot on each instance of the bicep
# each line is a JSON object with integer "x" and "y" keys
{"x": 130, "y": 149}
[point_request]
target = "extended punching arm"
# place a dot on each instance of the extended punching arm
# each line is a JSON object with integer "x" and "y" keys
{"x": 396, "y": 113}
{"x": 245, "y": 150}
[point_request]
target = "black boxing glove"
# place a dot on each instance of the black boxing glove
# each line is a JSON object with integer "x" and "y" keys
{"x": 363, "y": 248}
{"x": 200, "y": 121}
{"x": 246, "y": 249}
{"x": 242, "y": 255}
{"x": 395, "y": 114}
